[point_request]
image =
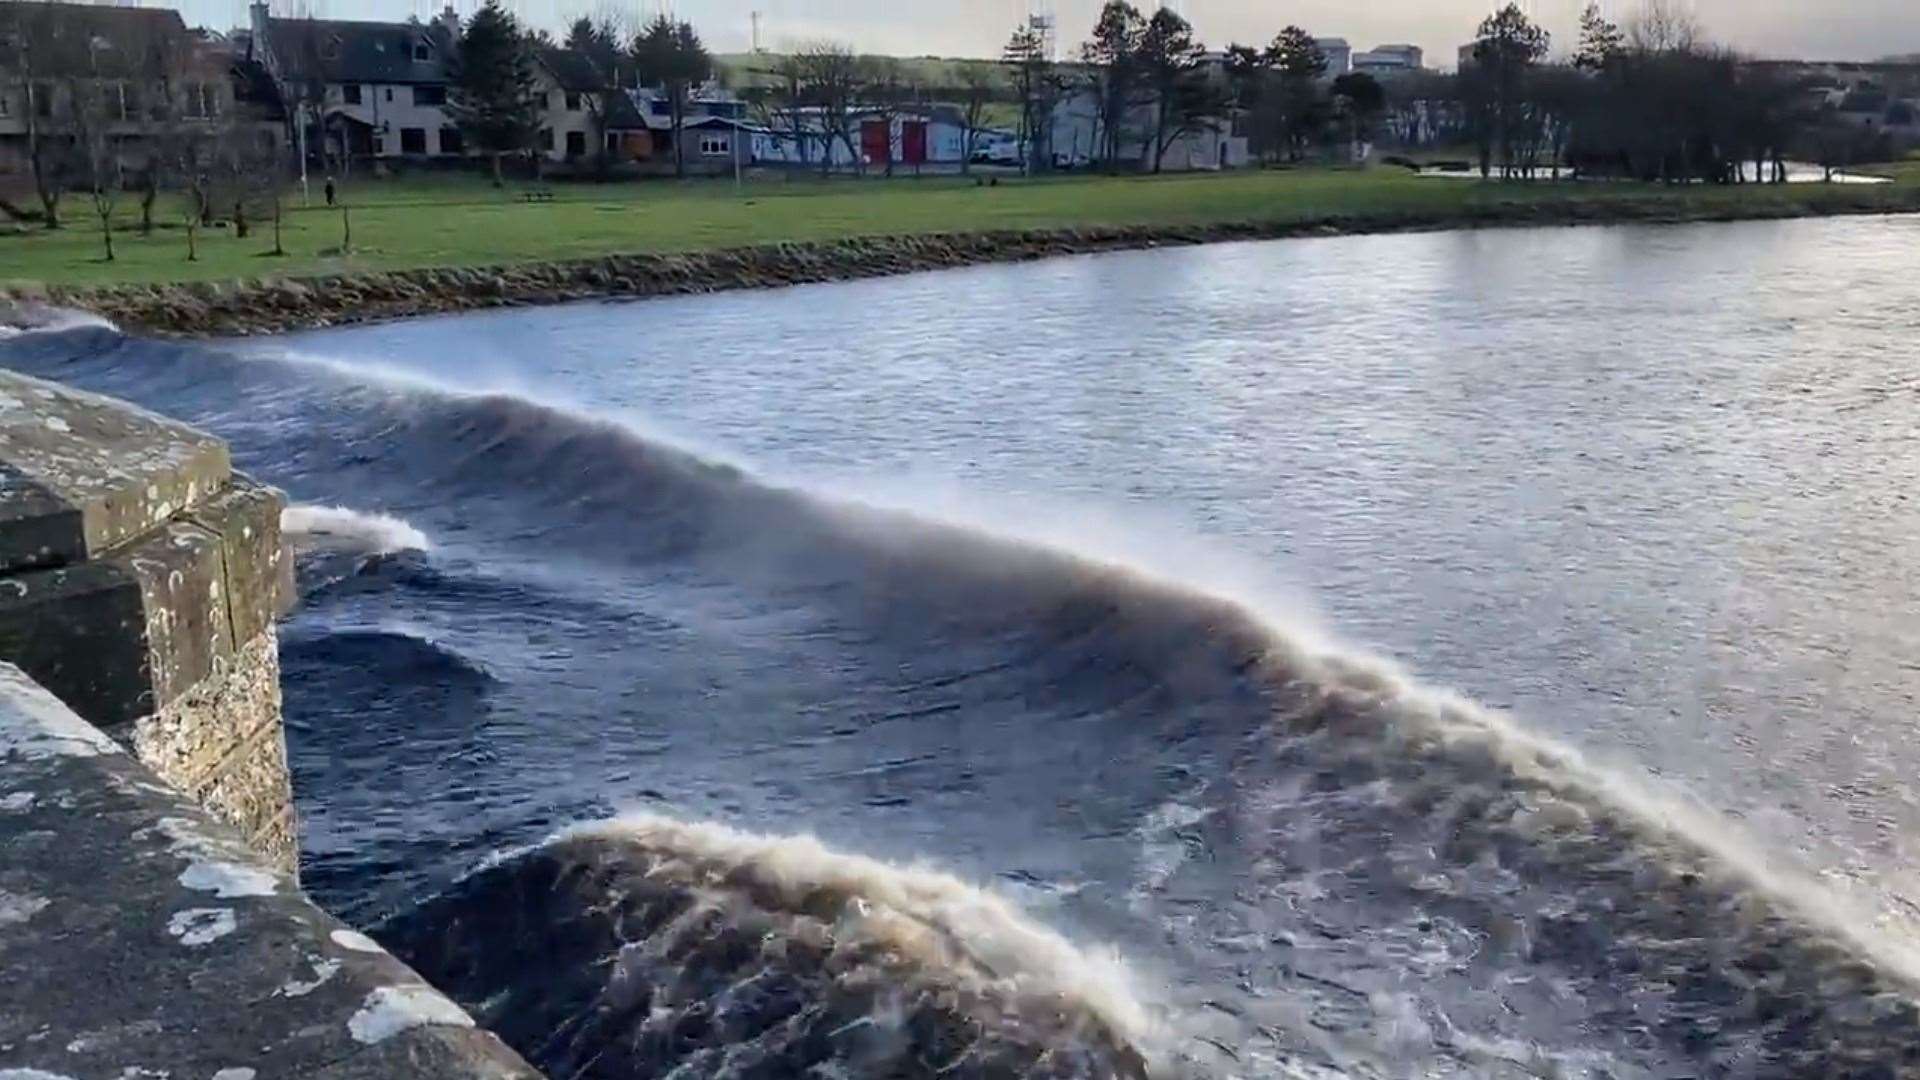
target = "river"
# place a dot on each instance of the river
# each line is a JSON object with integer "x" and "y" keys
{"x": 1395, "y": 654}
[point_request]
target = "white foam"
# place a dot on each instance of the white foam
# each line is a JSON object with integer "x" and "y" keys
{"x": 41, "y": 319}
{"x": 916, "y": 909}
{"x": 338, "y": 526}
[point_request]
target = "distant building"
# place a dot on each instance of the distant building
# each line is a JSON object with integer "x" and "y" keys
{"x": 1339, "y": 54}
{"x": 158, "y": 78}
{"x": 1386, "y": 61}
{"x": 362, "y": 91}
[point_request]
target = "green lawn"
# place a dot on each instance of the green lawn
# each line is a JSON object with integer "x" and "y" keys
{"x": 454, "y": 221}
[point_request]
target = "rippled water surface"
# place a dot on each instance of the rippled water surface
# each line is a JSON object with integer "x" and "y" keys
{"x": 1651, "y": 491}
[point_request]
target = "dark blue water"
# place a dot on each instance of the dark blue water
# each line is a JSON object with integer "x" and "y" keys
{"x": 1010, "y": 571}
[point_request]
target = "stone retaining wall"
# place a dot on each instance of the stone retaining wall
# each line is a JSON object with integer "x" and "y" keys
{"x": 262, "y": 306}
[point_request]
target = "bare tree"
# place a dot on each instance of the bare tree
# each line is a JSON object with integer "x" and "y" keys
{"x": 1663, "y": 26}
{"x": 888, "y": 94}
{"x": 1038, "y": 86}
{"x": 38, "y": 42}
{"x": 980, "y": 86}
{"x": 834, "y": 80}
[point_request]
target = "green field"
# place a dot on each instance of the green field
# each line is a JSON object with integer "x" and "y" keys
{"x": 459, "y": 221}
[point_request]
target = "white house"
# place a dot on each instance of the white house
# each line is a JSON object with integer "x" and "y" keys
{"x": 363, "y": 90}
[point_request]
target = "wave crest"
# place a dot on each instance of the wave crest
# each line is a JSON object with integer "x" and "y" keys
{"x": 646, "y": 944}
{"x": 340, "y": 528}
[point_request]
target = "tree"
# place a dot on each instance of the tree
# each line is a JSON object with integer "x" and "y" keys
{"x": 1172, "y": 71}
{"x": 1362, "y": 99}
{"x": 1507, "y": 47}
{"x": 1601, "y": 41}
{"x": 832, "y": 78}
{"x": 1112, "y": 71}
{"x": 492, "y": 94}
{"x": 1038, "y": 85}
{"x": 671, "y": 56}
{"x": 38, "y": 41}
{"x": 778, "y": 103}
{"x": 1297, "y": 63}
{"x": 1663, "y": 26}
{"x": 980, "y": 86}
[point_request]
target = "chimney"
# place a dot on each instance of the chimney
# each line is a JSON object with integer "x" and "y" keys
{"x": 260, "y": 46}
{"x": 449, "y": 20}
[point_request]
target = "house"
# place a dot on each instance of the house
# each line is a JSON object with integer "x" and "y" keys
{"x": 585, "y": 117}
{"x": 136, "y": 74}
{"x": 362, "y": 91}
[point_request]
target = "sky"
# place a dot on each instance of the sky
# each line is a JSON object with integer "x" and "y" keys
{"x": 1801, "y": 29}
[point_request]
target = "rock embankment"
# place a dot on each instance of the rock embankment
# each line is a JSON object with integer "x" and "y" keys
{"x": 277, "y": 304}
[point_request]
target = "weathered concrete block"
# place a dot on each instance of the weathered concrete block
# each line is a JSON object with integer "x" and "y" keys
{"x": 139, "y": 581}
{"x": 85, "y": 473}
{"x": 140, "y": 937}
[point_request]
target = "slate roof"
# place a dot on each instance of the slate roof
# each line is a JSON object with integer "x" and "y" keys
{"x": 573, "y": 70}
{"x": 131, "y": 33}
{"x": 340, "y": 51}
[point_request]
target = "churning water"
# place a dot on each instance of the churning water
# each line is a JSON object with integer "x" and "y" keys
{"x": 979, "y": 673}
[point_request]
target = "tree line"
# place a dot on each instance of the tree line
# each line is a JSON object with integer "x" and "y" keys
{"x": 1651, "y": 99}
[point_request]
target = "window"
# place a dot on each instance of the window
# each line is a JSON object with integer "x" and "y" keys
{"x": 573, "y": 101}
{"x": 6, "y": 105}
{"x": 389, "y": 93}
{"x": 613, "y": 141}
{"x": 716, "y": 145}
{"x": 576, "y": 143}
{"x": 42, "y": 99}
{"x": 546, "y": 139}
{"x": 202, "y": 101}
{"x": 421, "y": 51}
{"x": 659, "y": 108}
{"x": 413, "y": 140}
{"x": 429, "y": 95}
{"x": 350, "y": 93}
{"x": 450, "y": 141}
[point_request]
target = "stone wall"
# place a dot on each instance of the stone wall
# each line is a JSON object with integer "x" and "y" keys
{"x": 139, "y": 582}
{"x": 140, "y": 937}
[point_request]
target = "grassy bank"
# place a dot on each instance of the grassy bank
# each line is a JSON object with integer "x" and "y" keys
{"x": 462, "y": 222}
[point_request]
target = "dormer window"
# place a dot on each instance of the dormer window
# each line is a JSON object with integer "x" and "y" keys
{"x": 422, "y": 51}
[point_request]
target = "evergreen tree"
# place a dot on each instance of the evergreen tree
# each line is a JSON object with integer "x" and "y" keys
{"x": 1601, "y": 41}
{"x": 671, "y": 56}
{"x": 492, "y": 96}
{"x": 1298, "y": 63}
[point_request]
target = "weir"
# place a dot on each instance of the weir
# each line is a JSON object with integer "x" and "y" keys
{"x": 150, "y": 919}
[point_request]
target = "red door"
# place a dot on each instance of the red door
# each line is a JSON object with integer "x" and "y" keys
{"x": 913, "y": 142}
{"x": 875, "y": 145}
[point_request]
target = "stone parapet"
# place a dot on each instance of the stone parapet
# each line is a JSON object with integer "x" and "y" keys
{"x": 141, "y": 937}
{"x": 139, "y": 582}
